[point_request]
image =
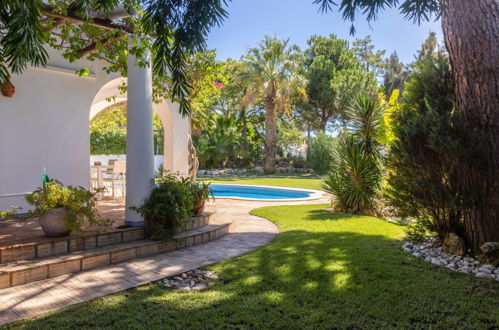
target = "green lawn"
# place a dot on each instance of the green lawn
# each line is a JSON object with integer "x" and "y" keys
{"x": 298, "y": 181}
{"x": 324, "y": 270}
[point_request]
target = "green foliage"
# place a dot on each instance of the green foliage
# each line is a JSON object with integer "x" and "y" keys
{"x": 108, "y": 132}
{"x": 78, "y": 201}
{"x": 371, "y": 59}
{"x": 219, "y": 145}
{"x": 434, "y": 153}
{"x": 334, "y": 75}
{"x": 10, "y": 214}
{"x": 107, "y": 143}
{"x": 415, "y": 10}
{"x": 395, "y": 76}
{"x": 171, "y": 29}
{"x": 354, "y": 179}
{"x": 169, "y": 203}
{"x": 269, "y": 74}
{"x": 201, "y": 191}
{"x": 320, "y": 153}
{"x": 366, "y": 122}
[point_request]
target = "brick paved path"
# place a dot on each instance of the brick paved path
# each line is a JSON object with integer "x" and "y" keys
{"x": 246, "y": 234}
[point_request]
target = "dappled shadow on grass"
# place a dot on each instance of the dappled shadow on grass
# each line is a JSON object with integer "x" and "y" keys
{"x": 305, "y": 279}
{"x": 326, "y": 214}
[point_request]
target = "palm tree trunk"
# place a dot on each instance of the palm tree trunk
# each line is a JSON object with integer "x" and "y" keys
{"x": 471, "y": 31}
{"x": 269, "y": 164}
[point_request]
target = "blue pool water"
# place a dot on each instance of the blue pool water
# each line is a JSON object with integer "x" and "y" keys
{"x": 256, "y": 192}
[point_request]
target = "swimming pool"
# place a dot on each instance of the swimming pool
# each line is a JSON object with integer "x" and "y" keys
{"x": 235, "y": 191}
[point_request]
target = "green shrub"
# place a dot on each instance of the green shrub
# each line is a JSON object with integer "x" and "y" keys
{"x": 434, "y": 154}
{"x": 354, "y": 179}
{"x": 169, "y": 203}
{"x": 320, "y": 153}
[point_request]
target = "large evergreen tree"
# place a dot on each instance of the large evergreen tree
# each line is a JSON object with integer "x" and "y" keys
{"x": 471, "y": 33}
{"x": 371, "y": 59}
{"x": 396, "y": 74}
{"x": 334, "y": 75}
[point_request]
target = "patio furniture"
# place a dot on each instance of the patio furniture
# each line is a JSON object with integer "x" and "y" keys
{"x": 116, "y": 175}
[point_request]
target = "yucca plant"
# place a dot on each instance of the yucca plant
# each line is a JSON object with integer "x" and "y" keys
{"x": 366, "y": 122}
{"x": 356, "y": 176}
{"x": 354, "y": 179}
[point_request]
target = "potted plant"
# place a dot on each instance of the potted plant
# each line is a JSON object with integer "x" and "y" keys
{"x": 60, "y": 209}
{"x": 167, "y": 206}
{"x": 201, "y": 192}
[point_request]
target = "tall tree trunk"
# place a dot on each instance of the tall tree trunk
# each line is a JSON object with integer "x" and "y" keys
{"x": 244, "y": 131}
{"x": 269, "y": 164}
{"x": 471, "y": 31}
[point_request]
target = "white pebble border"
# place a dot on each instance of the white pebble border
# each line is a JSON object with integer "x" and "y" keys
{"x": 437, "y": 256}
{"x": 194, "y": 280}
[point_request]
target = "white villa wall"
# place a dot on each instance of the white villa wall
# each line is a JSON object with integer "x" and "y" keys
{"x": 46, "y": 125}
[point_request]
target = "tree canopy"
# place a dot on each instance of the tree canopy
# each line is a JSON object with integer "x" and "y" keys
{"x": 171, "y": 29}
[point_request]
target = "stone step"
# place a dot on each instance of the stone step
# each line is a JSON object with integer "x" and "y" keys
{"x": 27, "y": 271}
{"x": 87, "y": 241}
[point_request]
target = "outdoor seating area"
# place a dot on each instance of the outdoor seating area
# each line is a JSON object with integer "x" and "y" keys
{"x": 110, "y": 178}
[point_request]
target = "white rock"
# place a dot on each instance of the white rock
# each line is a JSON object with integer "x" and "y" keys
{"x": 210, "y": 284}
{"x": 489, "y": 267}
{"x": 485, "y": 270}
{"x": 199, "y": 287}
{"x": 408, "y": 245}
{"x": 417, "y": 254}
{"x": 438, "y": 262}
{"x": 485, "y": 275}
{"x": 464, "y": 270}
{"x": 496, "y": 271}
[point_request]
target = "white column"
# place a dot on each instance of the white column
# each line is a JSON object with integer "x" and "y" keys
{"x": 139, "y": 144}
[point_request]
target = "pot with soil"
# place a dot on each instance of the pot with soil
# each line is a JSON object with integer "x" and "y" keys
{"x": 198, "y": 208}
{"x": 201, "y": 193}
{"x": 54, "y": 223}
{"x": 61, "y": 210}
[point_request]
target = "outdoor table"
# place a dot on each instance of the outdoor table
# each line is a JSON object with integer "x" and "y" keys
{"x": 101, "y": 169}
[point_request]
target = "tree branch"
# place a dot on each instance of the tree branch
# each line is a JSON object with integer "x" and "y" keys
{"x": 96, "y": 21}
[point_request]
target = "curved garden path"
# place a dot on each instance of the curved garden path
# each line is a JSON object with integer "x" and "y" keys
{"x": 246, "y": 234}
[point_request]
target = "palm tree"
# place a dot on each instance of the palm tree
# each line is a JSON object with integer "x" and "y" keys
{"x": 269, "y": 72}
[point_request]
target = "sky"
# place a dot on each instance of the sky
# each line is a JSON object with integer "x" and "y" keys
{"x": 250, "y": 20}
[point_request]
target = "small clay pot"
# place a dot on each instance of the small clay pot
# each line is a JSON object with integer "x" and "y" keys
{"x": 198, "y": 207}
{"x": 53, "y": 223}
{"x": 8, "y": 89}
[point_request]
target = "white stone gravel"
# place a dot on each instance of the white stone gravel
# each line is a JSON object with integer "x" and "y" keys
{"x": 467, "y": 265}
{"x": 195, "y": 280}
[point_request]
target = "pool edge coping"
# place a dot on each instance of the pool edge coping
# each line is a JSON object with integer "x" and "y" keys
{"x": 316, "y": 194}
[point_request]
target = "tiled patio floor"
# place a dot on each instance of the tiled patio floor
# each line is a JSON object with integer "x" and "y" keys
{"x": 29, "y": 231}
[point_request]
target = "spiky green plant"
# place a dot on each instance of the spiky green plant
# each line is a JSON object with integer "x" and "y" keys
{"x": 354, "y": 179}
{"x": 366, "y": 122}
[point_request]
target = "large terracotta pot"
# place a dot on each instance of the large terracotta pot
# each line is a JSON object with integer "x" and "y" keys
{"x": 198, "y": 207}
{"x": 53, "y": 223}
